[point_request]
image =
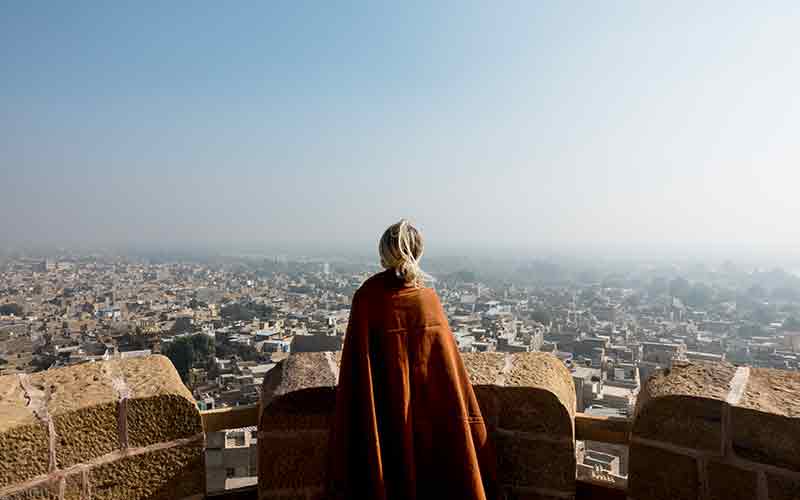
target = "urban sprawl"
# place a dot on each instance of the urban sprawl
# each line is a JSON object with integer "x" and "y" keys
{"x": 225, "y": 323}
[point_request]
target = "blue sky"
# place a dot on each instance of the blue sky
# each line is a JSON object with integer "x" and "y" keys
{"x": 531, "y": 125}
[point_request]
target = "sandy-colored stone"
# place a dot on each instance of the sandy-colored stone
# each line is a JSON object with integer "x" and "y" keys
{"x": 661, "y": 475}
{"x": 73, "y": 487}
{"x": 484, "y": 368}
{"x": 83, "y": 406}
{"x": 543, "y": 371}
{"x": 292, "y": 461}
{"x": 531, "y": 463}
{"x": 696, "y": 379}
{"x": 172, "y": 473}
{"x": 83, "y": 402}
{"x": 23, "y": 453}
{"x": 300, "y": 371}
{"x": 161, "y": 407}
{"x": 766, "y": 422}
{"x": 726, "y": 482}
{"x": 304, "y": 409}
{"x": 21, "y": 435}
{"x": 528, "y": 393}
{"x": 162, "y": 418}
{"x": 690, "y": 422}
{"x": 684, "y": 405}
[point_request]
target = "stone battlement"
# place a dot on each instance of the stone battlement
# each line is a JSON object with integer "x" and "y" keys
{"x": 129, "y": 429}
{"x": 722, "y": 432}
{"x": 527, "y": 399}
{"x": 114, "y": 429}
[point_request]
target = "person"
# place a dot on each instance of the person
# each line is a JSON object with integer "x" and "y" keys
{"x": 407, "y": 424}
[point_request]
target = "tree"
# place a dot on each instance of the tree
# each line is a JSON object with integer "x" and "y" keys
{"x": 203, "y": 347}
{"x": 188, "y": 352}
{"x": 181, "y": 352}
{"x": 182, "y": 325}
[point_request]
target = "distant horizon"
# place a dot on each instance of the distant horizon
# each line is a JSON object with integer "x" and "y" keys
{"x": 622, "y": 129}
{"x": 598, "y": 257}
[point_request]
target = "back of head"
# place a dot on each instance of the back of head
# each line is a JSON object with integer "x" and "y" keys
{"x": 400, "y": 249}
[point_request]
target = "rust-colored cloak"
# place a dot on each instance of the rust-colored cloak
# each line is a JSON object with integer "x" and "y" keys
{"x": 407, "y": 423}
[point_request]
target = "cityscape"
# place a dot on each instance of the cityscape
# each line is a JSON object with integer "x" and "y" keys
{"x": 225, "y": 322}
{"x": 403, "y": 251}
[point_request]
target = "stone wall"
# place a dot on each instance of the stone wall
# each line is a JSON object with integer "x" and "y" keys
{"x": 712, "y": 431}
{"x": 120, "y": 429}
{"x": 527, "y": 399}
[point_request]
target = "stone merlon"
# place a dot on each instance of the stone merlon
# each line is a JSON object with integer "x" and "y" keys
{"x": 114, "y": 429}
{"x": 527, "y": 399}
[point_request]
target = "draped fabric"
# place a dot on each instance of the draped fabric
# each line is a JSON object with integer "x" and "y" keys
{"x": 407, "y": 424}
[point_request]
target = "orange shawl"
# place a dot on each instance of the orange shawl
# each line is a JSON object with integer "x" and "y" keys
{"x": 407, "y": 423}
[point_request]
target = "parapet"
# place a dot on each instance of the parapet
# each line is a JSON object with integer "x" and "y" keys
{"x": 527, "y": 399}
{"x": 113, "y": 429}
{"x": 716, "y": 431}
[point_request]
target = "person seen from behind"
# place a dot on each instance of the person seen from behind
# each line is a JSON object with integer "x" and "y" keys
{"x": 407, "y": 424}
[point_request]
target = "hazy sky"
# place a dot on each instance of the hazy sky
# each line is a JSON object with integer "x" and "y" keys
{"x": 490, "y": 124}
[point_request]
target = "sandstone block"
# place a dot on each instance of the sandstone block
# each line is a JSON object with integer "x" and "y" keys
{"x": 530, "y": 463}
{"x": 527, "y": 400}
{"x": 683, "y": 406}
{"x": 531, "y": 392}
{"x": 727, "y": 482}
{"x": 292, "y": 461}
{"x": 129, "y": 420}
{"x": 24, "y": 441}
{"x": 766, "y": 421}
{"x": 172, "y": 473}
{"x": 72, "y": 485}
{"x": 657, "y": 474}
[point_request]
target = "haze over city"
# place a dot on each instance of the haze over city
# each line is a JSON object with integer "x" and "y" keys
{"x": 605, "y": 127}
{"x": 400, "y": 250}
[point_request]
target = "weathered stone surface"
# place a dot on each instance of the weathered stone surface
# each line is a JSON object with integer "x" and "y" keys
{"x": 524, "y": 462}
{"x": 304, "y": 409}
{"x": 172, "y": 473}
{"x": 766, "y": 422}
{"x": 726, "y": 482}
{"x": 84, "y": 415}
{"x": 161, "y": 408}
{"x": 530, "y": 394}
{"x": 484, "y": 368}
{"x": 83, "y": 405}
{"x": 661, "y": 475}
{"x": 532, "y": 370}
{"x": 73, "y": 488}
{"x": 543, "y": 371}
{"x": 300, "y": 371}
{"x": 782, "y": 487}
{"x": 683, "y": 406}
{"x": 21, "y": 435}
{"x": 292, "y": 461}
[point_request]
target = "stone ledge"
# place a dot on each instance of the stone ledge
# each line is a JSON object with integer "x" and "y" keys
{"x": 130, "y": 423}
{"x": 725, "y": 429}
{"x": 527, "y": 400}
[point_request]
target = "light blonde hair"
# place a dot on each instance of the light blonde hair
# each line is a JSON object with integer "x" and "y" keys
{"x": 400, "y": 249}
